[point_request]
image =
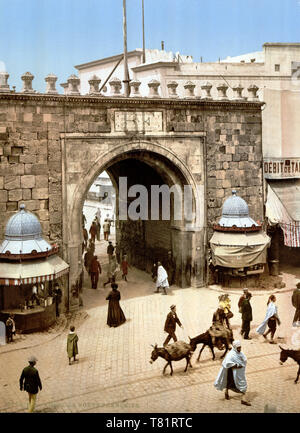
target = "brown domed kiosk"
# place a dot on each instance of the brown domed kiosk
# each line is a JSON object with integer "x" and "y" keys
{"x": 29, "y": 268}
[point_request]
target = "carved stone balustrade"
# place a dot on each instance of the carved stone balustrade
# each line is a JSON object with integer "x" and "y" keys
{"x": 73, "y": 84}
{"x": 135, "y": 88}
{"x": 50, "y": 84}
{"x": 27, "y": 79}
{"x": 189, "y": 88}
{"x": 206, "y": 87}
{"x": 115, "y": 86}
{"x": 94, "y": 83}
{"x": 153, "y": 89}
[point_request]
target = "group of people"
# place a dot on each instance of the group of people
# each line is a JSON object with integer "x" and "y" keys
{"x": 30, "y": 380}
{"x": 95, "y": 230}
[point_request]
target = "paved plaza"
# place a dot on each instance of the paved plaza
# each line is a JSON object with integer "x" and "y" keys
{"x": 114, "y": 374}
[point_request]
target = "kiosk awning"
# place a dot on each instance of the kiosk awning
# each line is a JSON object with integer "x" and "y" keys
{"x": 237, "y": 250}
{"x": 283, "y": 208}
{"x": 27, "y": 272}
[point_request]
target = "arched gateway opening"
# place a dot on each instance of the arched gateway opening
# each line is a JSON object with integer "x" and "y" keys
{"x": 146, "y": 231}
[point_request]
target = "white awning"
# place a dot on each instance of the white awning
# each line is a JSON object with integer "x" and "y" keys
{"x": 283, "y": 208}
{"x": 32, "y": 271}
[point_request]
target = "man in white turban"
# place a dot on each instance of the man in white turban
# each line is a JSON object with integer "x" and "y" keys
{"x": 232, "y": 373}
{"x": 162, "y": 278}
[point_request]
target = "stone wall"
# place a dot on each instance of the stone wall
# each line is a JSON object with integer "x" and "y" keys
{"x": 53, "y": 147}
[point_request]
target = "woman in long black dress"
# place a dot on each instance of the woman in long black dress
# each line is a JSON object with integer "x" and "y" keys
{"x": 115, "y": 315}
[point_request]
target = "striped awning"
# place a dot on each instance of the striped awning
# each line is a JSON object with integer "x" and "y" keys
{"x": 32, "y": 271}
{"x": 283, "y": 208}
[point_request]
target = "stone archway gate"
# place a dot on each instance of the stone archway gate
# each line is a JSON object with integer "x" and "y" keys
{"x": 52, "y": 147}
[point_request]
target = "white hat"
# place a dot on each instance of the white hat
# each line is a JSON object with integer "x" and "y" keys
{"x": 236, "y": 344}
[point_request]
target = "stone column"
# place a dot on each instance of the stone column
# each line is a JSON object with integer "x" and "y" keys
{"x": 207, "y": 89}
{"x": 50, "y": 81}
{"x": 135, "y": 88}
{"x": 27, "y": 83}
{"x": 4, "y": 87}
{"x": 238, "y": 89}
{"x": 153, "y": 89}
{"x": 252, "y": 90}
{"x": 94, "y": 83}
{"x": 172, "y": 86}
{"x": 73, "y": 82}
{"x": 189, "y": 88}
{"x": 115, "y": 86}
{"x": 222, "y": 91}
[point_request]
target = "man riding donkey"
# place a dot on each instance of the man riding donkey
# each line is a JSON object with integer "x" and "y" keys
{"x": 217, "y": 330}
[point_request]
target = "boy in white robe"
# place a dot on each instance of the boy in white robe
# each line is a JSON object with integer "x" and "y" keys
{"x": 162, "y": 278}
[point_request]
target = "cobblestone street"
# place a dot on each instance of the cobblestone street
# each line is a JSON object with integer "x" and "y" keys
{"x": 114, "y": 374}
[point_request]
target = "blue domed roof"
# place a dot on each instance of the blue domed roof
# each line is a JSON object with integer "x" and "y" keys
{"x": 235, "y": 213}
{"x": 23, "y": 225}
{"x": 235, "y": 206}
{"x": 23, "y": 235}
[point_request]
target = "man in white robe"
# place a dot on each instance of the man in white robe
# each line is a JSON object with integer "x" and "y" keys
{"x": 232, "y": 373}
{"x": 162, "y": 279}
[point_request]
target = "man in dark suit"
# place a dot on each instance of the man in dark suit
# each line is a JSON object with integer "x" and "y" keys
{"x": 30, "y": 381}
{"x": 170, "y": 325}
{"x": 246, "y": 316}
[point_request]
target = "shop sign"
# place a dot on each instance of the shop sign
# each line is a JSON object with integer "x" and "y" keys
{"x": 281, "y": 168}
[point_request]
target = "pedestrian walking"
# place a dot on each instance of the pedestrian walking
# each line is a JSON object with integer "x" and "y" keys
{"x": 245, "y": 291}
{"x": 246, "y": 316}
{"x": 124, "y": 267}
{"x": 72, "y": 346}
{"x": 85, "y": 238}
{"x": 95, "y": 271}
{"x": 98, "y": 227}
{"x": 232, "y": 375}
{"x": 106, "y": 229}
{"x": 118, "y": 252}
{"x": 30, "y": 382}
{"x": 57, "y": 294}
{"x": 110, "y": 250}
{"x": 115, "y": 315}
{"x": 171, "y": 268}
{"x": 170, "y": 325}
{"x": 10, "y": 327}
{"x": 111, "y": 271}
{"x": 93, "y": 231}
{"x": 162, "y": 279}
{"x": 296, "y": 304}
{"x": 271, "y": 320}
{"x": 88, "y": 259}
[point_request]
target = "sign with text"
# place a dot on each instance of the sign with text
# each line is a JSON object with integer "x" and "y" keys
{"x": 281, "y": 168}
{"x": 140, "y": 121}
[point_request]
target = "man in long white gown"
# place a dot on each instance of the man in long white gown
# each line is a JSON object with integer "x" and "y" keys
{"x": 232, "y": 373}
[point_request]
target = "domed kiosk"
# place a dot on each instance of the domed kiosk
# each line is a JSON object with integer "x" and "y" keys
{"x": 238, "y": 245}
{"x": 29, "y": 269}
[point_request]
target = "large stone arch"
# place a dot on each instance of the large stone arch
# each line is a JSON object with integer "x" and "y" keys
{"x": 104, "y": 161}
{"x": 168, "y": 164}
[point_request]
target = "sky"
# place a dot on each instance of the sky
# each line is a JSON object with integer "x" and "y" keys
{"x": 52, "y": 36}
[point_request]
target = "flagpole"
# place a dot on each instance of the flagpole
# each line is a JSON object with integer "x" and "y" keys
{"x": 143, "y": 21}
{"x": 126, "y": 73}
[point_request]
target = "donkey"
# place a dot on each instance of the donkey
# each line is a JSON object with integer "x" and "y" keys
{"x": 294, "y": 354}
{"x": 206, "y": 340}
{"x": 162, "y": 352}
